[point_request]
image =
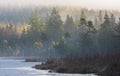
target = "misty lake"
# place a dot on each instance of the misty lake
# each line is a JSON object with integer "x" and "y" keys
{"x": 17, "y": 67}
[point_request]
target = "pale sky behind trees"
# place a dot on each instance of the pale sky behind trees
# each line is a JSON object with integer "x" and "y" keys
{"x": 94, "y": 4}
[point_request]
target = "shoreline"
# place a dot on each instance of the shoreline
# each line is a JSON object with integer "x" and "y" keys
{"x": 102, "y": 66}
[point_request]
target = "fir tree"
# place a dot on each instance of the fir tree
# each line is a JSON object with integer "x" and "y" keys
{"x": 83, "y": 19}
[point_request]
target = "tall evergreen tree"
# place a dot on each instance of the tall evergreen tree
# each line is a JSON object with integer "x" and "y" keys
{"x": 83, "y": 19}
{"x": 36, "y": 24}
{"x": 106, "y": 36}
{"x": 55, "y": 19}
{"x": 107, "y": 18}
{"x": 54, "y": 25}
{"x": 35, "y": 31}
{"x": 69, "y": 24}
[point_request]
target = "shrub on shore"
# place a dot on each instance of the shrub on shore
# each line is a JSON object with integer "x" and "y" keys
{"x": 108, "y": 65}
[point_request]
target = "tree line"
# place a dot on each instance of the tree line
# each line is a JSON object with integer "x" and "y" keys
{"x": 53, "y": 37}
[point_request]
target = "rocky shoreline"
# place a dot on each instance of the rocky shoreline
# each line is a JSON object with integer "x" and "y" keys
{"x": 103, "y": 66}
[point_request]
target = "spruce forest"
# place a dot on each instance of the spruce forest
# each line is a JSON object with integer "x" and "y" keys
{"x": 60, "y": 32}
{"x": 70, "y": 40}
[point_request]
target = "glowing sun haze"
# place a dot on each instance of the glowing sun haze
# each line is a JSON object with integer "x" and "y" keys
{"x": 95, "y": 4}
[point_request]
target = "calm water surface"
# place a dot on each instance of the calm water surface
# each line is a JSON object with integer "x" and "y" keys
{"x": 14, "y": 67}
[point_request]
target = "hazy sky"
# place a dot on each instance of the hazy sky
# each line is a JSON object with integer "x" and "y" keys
{"x": 106, "y": 4}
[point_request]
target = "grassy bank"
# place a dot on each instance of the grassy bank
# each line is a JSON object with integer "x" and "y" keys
{"x": 108, "y": 65}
